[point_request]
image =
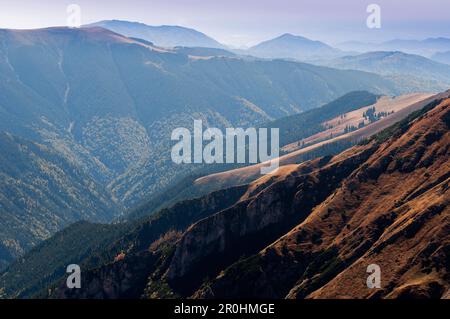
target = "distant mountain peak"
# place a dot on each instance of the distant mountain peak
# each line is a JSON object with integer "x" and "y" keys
{"x": 293, "y": 37}
{"x": 287, "y": 35}
{"x": 293, "y": 46}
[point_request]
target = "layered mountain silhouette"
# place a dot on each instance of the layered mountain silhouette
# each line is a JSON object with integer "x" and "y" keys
{"x": 426, "y": 47}
{"x": 107, "y": 104}
{"x": 403, "y": 61}
{"x": 86, "y": 176}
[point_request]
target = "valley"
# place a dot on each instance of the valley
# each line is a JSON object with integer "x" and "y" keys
{"x": 308, "y": 164}
{"x": 309, "y": 230}
{"x": 107, "y": 104}
{"x": 403, "y": 107}
{"x": 141, "y": 243}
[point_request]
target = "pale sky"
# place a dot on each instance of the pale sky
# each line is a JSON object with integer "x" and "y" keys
{"x": 247, "y": 22}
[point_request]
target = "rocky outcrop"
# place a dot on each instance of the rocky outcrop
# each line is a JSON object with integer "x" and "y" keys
{"x": 122, "y": 269}
{"x": 244, "y": 229}
{"x": 123, "y": 279}
{"x": 392, "y": 211}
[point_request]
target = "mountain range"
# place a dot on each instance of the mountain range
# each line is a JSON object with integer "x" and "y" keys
{"x": 287, "y": 46}
{"x": 403, "y": 60}
{"x": 107, "y": 104}
{"x": 86, "y": 176}
{"x": 426, "y": 47}
{"x": 312, "y": 230}
{"x": 307, "y": 231}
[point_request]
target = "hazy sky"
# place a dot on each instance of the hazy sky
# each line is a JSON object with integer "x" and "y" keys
{"x": 246, "y": 22}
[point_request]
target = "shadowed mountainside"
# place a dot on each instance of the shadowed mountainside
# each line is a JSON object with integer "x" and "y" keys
{"x": 312, "y": 229}
{"x": 369, "y": 219}
{"x": 42, "y": 192}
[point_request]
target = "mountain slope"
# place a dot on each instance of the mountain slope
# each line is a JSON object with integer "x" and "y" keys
{"x": 427, "y": 47}
{"x": 310, "y": 230}
{"x": 443, "y": 57}
{"x": 327, "y": 145}
{"x": 317, "y": 132}
{"x": 109, "y": 103}
{"x": 293, "y": 47}
{"x": 291, "y": 128}
{"x": 40, "y": 193}
{"x": 45, "y": 264}
{"x": 367, "y": 220}
{"x": 200, "y": 52}
{"x": 414, "y": 71}
{"x": 164, "y": 36}
{"x": 296, "y": 127}
{"x": 48, "y": 261}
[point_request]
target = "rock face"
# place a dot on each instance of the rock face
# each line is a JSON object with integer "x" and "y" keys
{"x": 252, "y": 224}
{"x": 314, "y": 233}
{"x": 391, "y": 211}
{"x": 120, "y": 280}
{"x": 123, "y": 267}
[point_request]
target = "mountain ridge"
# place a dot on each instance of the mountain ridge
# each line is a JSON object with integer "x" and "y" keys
{"x": 164, "y": 35}
{"x": 310, "y": 248}
{"x": 417, "y": 72}
{"x": 357, "y": 239}
{"x": 289, "y": 241}
{"x": 425, "y": 47}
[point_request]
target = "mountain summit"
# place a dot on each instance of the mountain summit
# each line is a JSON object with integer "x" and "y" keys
{"x": 293, "y": 47}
